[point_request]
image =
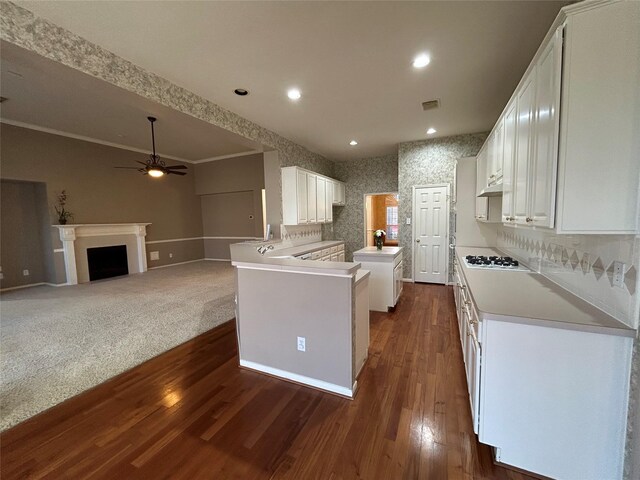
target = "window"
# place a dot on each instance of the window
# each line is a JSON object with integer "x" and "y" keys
{"x": 392, "y": 223}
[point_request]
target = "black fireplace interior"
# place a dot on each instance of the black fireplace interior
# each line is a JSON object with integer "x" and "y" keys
{"x": 107, "y": 262}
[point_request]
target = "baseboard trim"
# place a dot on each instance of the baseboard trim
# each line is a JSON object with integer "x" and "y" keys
{"x": 301, "y": 379}
{"x": 176, "y": 264}
{"x": 8, "y": 289}
{"x": 407, "y": 280}
{"x": 217, "y": 259}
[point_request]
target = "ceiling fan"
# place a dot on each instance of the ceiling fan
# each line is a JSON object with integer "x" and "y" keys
{"x": 155, "y": 166}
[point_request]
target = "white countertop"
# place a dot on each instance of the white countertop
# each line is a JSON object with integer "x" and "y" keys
{"x": 531, "y": 297}
{"x": 391, "y": 252}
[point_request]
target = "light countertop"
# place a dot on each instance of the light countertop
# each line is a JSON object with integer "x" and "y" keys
{"x": 529, "y": 297}
{"x": 391, "y": 252}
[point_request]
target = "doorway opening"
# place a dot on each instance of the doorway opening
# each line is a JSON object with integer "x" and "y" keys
{"x": 381, "y": 213}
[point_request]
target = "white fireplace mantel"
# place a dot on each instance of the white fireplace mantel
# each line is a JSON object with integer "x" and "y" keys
{"x": 70, "y": 233}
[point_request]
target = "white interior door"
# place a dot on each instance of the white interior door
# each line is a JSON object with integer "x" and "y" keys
{"x": 431, "y": 213}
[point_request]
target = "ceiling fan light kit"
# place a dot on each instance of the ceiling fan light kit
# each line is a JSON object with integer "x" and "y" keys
{"x": 155, "y": 167}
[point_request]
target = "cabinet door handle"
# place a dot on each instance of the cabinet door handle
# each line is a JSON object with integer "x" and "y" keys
{"x": 529, "y": 219}
{"x": 417, "y": 240}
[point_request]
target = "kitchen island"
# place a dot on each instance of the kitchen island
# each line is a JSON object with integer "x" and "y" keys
{"x": 548, "y": 373}
{"x": 385, "y": 266}
{"x": 304, "y": 321}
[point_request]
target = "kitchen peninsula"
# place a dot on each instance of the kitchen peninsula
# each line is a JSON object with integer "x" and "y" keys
{"x": 302, "y": 320}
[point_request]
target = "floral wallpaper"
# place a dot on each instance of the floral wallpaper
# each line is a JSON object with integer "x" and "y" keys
{"x": 426, "y": 162}
{"x": 368, "y": 175}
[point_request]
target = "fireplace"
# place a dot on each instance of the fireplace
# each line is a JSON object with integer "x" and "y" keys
{"x": 107, "y": 262}
{"x": 77, "y": 239}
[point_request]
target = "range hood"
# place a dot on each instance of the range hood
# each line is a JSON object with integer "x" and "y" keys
{"x": 492, "y": 191}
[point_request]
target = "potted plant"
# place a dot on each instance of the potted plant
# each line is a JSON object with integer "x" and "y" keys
{"x": 63, "y": 214}
{"x": 378, "y": 236}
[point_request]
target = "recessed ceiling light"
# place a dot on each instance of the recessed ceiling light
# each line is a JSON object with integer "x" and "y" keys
{"x": 421, "y": 60}
{"x": 294, "y": 94}
{"x": 353, "y": 143}
{"x": 241, "y": 91}
{"x": 431, "y": 131}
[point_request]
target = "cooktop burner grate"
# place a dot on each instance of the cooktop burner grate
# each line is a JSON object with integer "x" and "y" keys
{"x": 493, "y": 262}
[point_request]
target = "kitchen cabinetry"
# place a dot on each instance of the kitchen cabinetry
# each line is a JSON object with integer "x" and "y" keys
{"x": 576, "y": 168}
{"x": 308, "y": 197}
{"x": 547, "y": 374}
{"x": 385, "y": 284}
{"x": 487, "y": 208}
{"x": 338, "y": 193}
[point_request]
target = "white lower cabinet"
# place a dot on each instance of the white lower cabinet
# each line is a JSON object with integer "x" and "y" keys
{"x": 385, "y": 283}
{"x": 551, "y": 401}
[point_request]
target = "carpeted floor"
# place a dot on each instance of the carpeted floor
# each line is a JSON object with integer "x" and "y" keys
{"x": 56, "y": 342}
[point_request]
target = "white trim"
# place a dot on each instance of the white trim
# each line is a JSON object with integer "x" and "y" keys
{"x": 231, "y": 155}
{"x": 88, "y": 139}
{"x": 39, "y": 284}
{"x": 173, "y": 240}
{"x": 232, "y": 238}
{"x": 217, "y": 259}
{"x": 408, "y": 280}
{"x": 413, "y": 228}
{"x": 174, "y": 264}
{"x": 294, "y": 377}
{"x": 58, "y": 250}
{"x": 8, "y": 289}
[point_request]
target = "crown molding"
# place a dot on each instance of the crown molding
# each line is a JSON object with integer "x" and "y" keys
{"x": 52, "y": 131}
{"x": 232, "y": 155}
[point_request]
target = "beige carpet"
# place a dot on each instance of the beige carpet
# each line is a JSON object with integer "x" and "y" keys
{"x": 56, "y": 342}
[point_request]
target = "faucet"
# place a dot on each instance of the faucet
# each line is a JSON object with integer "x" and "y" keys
{"x": 262, "y": 249}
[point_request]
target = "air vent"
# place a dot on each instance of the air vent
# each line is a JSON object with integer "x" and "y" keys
{"x": 430, "y": 105}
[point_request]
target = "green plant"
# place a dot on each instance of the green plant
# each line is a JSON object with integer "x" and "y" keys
{"x": 63, "y": 214}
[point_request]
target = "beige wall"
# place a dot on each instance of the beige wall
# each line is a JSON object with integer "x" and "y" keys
{"x": 99, "y": 193}
{"x": 231, "y": 202}
{"x": 23, "y": 242}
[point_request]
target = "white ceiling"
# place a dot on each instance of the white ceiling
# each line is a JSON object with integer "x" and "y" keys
{"x": 351, "y": 60}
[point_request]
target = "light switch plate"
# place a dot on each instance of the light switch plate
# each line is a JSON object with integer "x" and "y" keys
{"x": 408, "y": 221}
{"x": 618, "y": 274}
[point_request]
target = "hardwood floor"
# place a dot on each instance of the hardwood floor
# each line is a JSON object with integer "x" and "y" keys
{"x": 192, "y": 413}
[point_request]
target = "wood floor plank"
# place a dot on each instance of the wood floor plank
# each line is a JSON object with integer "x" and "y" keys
{"x": 193, "y": 413}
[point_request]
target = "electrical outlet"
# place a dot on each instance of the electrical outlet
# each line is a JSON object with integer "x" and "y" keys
{"x": 171, "y": 255}
{"x": 618, "y": 274}
{"x": 302, "y": 346}
{"x": 154, "y": 255}
{"x": 585, "y": 263}
{"x": 25, "y": 272}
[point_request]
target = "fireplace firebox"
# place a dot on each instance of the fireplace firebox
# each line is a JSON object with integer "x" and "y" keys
{"x": 107, "y": 262}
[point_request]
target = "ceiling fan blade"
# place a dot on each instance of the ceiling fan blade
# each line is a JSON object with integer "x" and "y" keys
{"x": 177, "y": 167}
{"x": 131, "y": 168}
{"x": 175, "y": 173}
{"x": 142, "y": 163}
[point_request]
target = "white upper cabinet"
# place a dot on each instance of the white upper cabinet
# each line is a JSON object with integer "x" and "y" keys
{"x": 307, "y": 197}
{"x": 545, "y": 157}
{"x": 301, "y": 197}
{"x": 571, "y": 161}
{"x": 338, "y": 193}
{"x": 599, "y": 154}
{"x": 482, "y": 205}
{"x": 509, "y": 155}
{"x": 524, "y": 146}
{"x": 321, "y": 199}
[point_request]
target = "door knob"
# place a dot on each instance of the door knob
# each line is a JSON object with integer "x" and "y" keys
{"x": 417, "y": 240}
